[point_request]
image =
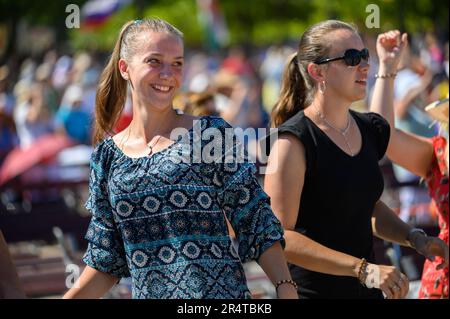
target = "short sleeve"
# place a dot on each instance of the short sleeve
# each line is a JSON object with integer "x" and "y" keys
{"x": 105, "y": 251}
{"x": 381, "y": 131}
{"x": 244, "y": 202}
{"x": 304, "y": 138}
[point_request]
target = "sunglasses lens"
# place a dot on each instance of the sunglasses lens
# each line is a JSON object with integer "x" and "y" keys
{"x": 352, "y": 57}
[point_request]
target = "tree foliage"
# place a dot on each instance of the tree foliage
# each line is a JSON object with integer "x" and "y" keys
{"x": 258, "y": 22}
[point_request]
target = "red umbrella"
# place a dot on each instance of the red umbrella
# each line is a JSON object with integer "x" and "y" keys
{"x": 20, "y": 160}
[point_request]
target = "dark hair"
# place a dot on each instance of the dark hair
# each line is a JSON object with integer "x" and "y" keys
{"x": 298, "y": 88}
{"x": 112, "y": 88}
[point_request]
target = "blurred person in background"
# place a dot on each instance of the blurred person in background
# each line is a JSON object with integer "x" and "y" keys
{"x": 440, "y": 84}
{"x": 32, "y": 117}
{"x": 89, "y": 84}
{"x": 61, "y": 73}
{"x": 327, "y": 184}
{"x": 238, "y": 101}
{"x": 271, "y": 71}
{"x": 245, "y": 108}
{"x": 427, "y": 158}
{"x": 72, "y": 119}
{"x": 411, "y": 87}
{"x": 197, "y": 104}
{"x": 8, "y": 136}
{"x": 83, "y": 75}
{"x": 410, "y": 94}
{"x": 7, "y": 100}
{"x": 232, "y": 92}
{"x": 146, "y": 232}
{"x": 431, "y": 53}
{"x": 43, "y": 77}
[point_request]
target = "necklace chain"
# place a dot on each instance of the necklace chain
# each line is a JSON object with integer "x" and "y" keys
{"x": 177, "y": 112}
{"x": 151, "y": 146}
{"x": 341, "y": 132}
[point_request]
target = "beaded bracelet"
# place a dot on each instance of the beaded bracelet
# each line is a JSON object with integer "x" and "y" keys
{"x": 384, "y": 76}
{"x": 362, "y": 273}
{"x": 286, "y": 281}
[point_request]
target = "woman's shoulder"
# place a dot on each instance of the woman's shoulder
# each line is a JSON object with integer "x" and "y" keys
{"x": 298, "y": 125}
{"x": 371, "y": 119}
{"x": 376, "y": 128}
{"x": 215, "y": 122}
{"x": 103, "y": 151}
{"x": 299, "y": 120}
{"x": 203, "y": 122}
{"x": 374, "y": 123}
{"x": 215, "y": 126}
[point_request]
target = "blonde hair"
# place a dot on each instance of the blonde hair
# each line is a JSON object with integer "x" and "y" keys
{"x": 298, "y": 88}
{"x": 112, "y": 88}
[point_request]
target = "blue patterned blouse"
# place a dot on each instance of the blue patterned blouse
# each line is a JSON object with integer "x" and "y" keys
{"x": 161, "y": 220}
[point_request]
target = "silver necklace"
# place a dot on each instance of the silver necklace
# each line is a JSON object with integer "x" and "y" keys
{"x": 149, "y": 144}
{"x": 342, "y": 132}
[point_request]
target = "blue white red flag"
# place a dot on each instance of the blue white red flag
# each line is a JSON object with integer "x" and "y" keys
{"x": 95, "y": 13}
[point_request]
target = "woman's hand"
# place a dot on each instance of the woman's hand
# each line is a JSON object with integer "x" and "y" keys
{"x": 390, "y": 46}
{"x": 392, "y": 282}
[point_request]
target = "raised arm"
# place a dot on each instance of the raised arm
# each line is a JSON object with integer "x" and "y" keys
{"x": 410, "y": 151}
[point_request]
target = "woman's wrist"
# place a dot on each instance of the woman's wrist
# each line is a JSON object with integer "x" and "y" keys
{"x": 413, "y": 235}
{"x": 357, "y": 263}
{"x": 285, "y": 282}
{"x": 387, "y": 69}
{"x": 287, "y": 291}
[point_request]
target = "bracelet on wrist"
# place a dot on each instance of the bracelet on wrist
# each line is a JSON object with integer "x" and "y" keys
{"x": 411, "y": 233}
{"x": 285, "y": 281}
{"x": 362, "y": 273}
{"x": 385, "y": 75}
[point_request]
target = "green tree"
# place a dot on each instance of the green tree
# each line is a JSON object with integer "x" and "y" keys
{"x": 49, "y": 13}
{"x": 255, "y": 22}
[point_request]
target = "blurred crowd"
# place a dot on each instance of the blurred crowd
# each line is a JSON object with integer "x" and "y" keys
{"x": 55, "y": 93}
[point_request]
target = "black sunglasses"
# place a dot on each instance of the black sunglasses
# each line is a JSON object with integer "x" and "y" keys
{"x": 352, "y": 57}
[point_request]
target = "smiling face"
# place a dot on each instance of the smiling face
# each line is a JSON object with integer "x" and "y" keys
{"x": 343, "y": 81}
{"x": 155, "y": 69}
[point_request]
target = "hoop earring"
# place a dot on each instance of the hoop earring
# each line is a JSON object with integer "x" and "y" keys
{"x": 322, "y": 89}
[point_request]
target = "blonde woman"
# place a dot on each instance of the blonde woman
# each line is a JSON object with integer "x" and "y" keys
{"x": 327, "y": 183}
{"x": 160, "y": 220}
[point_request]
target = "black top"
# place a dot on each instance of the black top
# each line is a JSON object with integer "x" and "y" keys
{"x": 338, "y": 198}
